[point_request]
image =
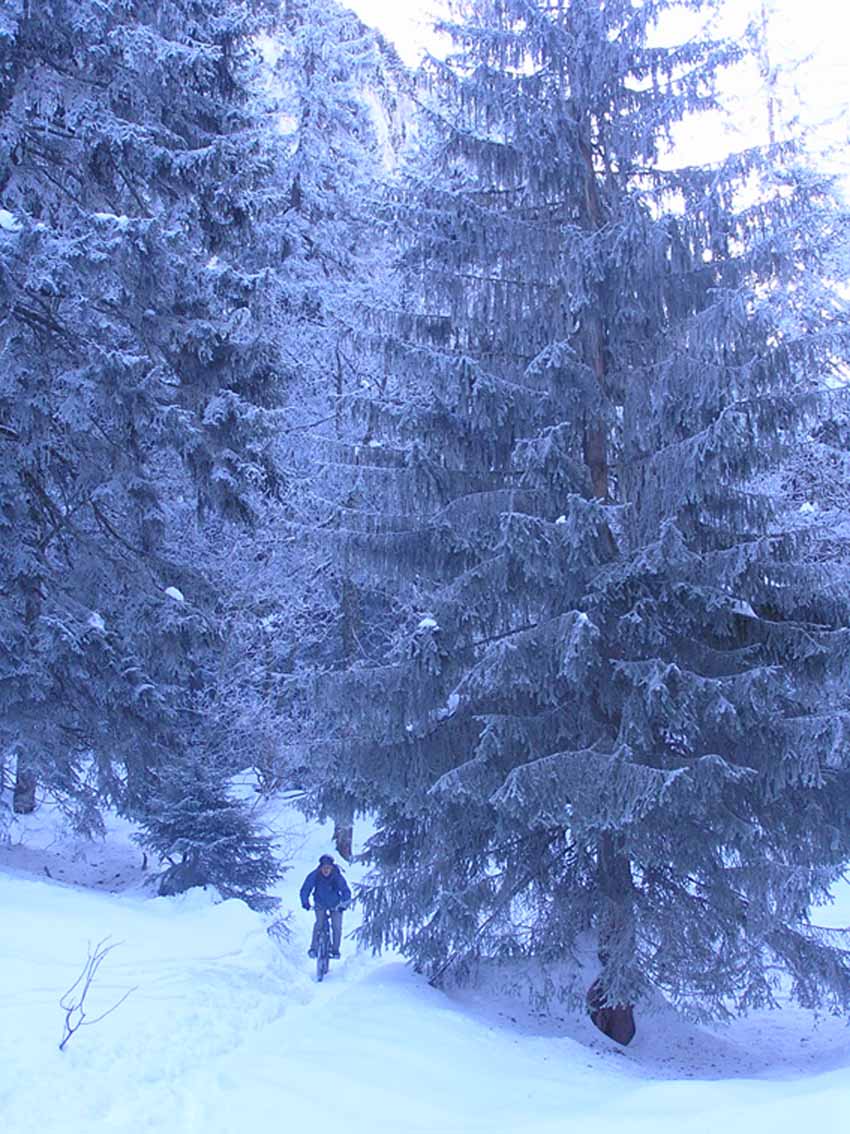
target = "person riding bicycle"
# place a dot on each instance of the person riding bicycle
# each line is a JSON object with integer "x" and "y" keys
{"x": 330, "y": 893}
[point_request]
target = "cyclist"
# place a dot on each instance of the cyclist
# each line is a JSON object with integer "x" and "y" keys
{"x": 330, "y": 892}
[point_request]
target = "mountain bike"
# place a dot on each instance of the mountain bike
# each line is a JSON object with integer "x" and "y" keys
{"x": 323, "y": 946}
{"x": 323, "y": 941}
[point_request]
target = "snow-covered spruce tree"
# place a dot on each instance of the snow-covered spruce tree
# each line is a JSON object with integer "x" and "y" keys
{"x": 138, "y": 366}
{"x": 337, "y": 92}
{"x": 208, "y": 837}
{"x": 813, "y": 487}
{"x": 340, "y": 87}
{"x": 619, "y": 705}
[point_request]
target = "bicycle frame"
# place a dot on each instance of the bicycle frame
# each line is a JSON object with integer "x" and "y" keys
{"x": 323, "y": 947}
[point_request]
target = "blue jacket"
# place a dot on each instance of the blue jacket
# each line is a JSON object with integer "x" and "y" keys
{"x": 327, "y": 892}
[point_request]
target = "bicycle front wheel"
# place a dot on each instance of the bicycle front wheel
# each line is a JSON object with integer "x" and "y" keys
{"x": 323, "y": 956}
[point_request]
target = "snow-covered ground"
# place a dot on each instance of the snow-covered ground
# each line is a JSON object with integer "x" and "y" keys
{"x": 226, "y": 1031}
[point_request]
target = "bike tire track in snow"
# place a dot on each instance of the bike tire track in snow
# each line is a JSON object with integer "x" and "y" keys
{"x": 226, "y": 1032}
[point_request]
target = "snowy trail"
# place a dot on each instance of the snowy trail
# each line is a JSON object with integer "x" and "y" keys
{"x": 227, "y": 1033}
{"x": 377, "y": 1050}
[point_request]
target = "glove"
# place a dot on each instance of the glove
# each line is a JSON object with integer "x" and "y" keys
{"x": 305, "y": 906}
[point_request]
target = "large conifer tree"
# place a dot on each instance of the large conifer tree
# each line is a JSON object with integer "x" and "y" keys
{"x": 618, "y": 702}
{"x": 341, "y": 88}
{"x": 138, "y": 369}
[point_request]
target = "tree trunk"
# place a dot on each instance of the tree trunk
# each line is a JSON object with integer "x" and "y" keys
{"x": 618, "y": 1022}
{"x": 768, "y": 71}
{"x": 596, "y": 459}
{"x": 344, "y": 838}
{"x": 616, "y": 935}
{"x": 614, "y": 878}
{"x": 344, "y": 814}
{"x": 23, "y": 799}
{"x": 350, "y": 615}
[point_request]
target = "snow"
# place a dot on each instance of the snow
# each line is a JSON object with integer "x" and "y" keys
{"x": 226, "y": 1030}
{"x": 450, "y": 707}
{"x": 121, "y": 221}
{"x": 9, "y": 222}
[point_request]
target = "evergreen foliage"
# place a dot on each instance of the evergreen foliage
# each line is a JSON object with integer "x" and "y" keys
{"x": 208, "y": 837}
{"x": 618, "y": 700}
{"x": 341, "y": 91}
{"x": 139, "y": 377}
{"x": 328, "y": 64}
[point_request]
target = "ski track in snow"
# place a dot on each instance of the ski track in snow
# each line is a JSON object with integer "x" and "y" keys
{"x": 225, "y": 1031}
